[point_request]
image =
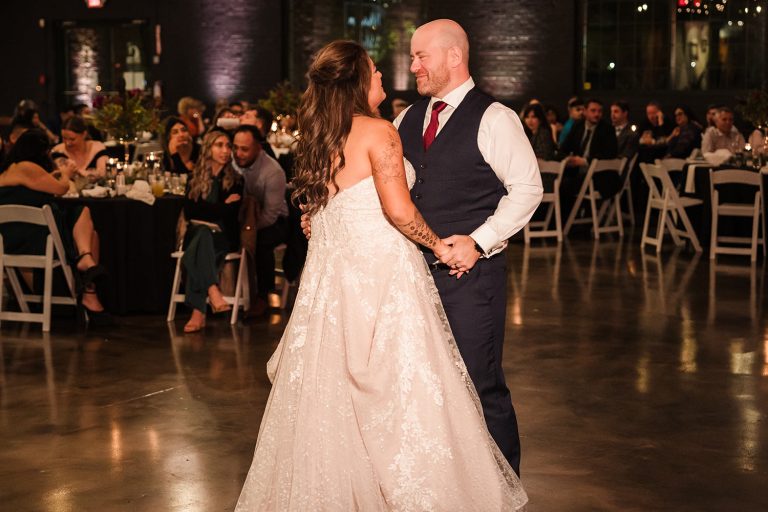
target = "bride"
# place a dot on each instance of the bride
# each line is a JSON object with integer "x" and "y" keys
{"x": 371, "y": 407}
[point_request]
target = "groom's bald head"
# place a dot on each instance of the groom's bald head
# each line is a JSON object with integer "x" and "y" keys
{"x": 446, "y": 34}
{"x": 440, "y": 57}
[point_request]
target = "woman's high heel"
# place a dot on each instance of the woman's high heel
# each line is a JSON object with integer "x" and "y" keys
{"x": 94, "y": 318}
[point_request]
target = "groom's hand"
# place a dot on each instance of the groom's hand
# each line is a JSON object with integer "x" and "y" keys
{"x": 463, "y": 255}
{"x": 306, "y": 224}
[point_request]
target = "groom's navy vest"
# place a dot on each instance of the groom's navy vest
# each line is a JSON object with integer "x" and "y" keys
{"x": 455, "y": 190}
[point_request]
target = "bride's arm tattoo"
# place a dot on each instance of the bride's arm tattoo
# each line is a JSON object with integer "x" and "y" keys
{"x": 388, "y": 167}
{"x": 418, "y": 231}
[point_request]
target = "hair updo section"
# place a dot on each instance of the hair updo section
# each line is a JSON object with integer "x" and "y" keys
{"x": 340, "y": 62}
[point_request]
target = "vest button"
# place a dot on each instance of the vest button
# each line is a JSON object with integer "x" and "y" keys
{"x": 417, "y": 196}
{"x": 420, "y": 181}
{"x": 422, "y": 166}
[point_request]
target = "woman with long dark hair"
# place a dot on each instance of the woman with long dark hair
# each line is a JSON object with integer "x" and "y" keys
{"x": 371, "y": 406}
{"x": 539, "y": 132}
{"x": 211, "y": 208}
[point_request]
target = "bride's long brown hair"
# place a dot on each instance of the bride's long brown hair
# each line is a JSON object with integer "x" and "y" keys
{"x": 339, "y": 80}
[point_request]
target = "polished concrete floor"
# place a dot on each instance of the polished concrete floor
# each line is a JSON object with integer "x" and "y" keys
{"x": 640, "y": 382}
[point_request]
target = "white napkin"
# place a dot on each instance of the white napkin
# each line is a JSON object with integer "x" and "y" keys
{"x": 140, "y": 191}
{"x": 718, "y": 157}
{"x": 97, "y": 191}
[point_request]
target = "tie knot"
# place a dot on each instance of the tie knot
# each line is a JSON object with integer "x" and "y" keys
{"x": 438, "y": 106}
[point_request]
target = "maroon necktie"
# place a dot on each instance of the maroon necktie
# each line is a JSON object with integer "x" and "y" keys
{"x": 431, "y": 133}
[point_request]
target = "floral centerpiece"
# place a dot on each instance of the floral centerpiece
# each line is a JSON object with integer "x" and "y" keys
{"x": 282, "y": 100}
{"x": 754, "y": 108}
{"x": 125, "y": 117}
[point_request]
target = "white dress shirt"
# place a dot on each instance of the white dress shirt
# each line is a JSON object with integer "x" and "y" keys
{"x": 505, "y": 147}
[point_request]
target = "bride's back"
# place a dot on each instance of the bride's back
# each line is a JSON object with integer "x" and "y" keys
{"x": 357, "y": 161}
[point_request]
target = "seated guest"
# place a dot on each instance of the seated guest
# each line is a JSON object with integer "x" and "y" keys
{"x": 626, "y": 137}
{"x": 236, "y": 108}
{"x": 191, "y": 114}
{"x": 398, "y": 105}
{"x": 211, "y": 208}
{"x": 18, "y": 127}
{"x": 592, "y": 137}
{"x": 65, "y": 112}
{"x": 180, "y": 151}
{"x": 225, "y": 119}
{"x": 262, "y": 120}
{"x": 265, "y": 184}
{"x": 538, "y": 131}
{"x": 26, "y": 179}
{"x": 84, "y": 111}
{"x": 553, "y": 118}
{"x": 711, "y": 114}
{"x": 90, "y": 156}
{"x": 723, "y": 135}
{"x": 654, "y": 127}
{"x": 687, "y": 134}
{"x": 575, "y": 113}
{"x": 26, "y": 112}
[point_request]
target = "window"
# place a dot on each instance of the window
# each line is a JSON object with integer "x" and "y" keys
{"x": 673, "y": 44}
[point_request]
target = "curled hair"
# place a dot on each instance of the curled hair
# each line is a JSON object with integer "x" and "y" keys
{"x": 202, "y": 176}
{"x": 339, "y": 81}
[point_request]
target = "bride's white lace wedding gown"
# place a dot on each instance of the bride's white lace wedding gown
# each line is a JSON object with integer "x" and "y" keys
{"x": 371, "y": 407}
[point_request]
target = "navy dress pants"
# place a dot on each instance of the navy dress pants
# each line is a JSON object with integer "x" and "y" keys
{"x": 476, "y": 307}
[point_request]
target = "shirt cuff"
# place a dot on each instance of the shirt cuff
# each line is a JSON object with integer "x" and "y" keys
{"x": 487, "y": 239}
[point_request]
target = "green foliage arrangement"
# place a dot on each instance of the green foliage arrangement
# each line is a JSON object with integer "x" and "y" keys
{"x": 754, "y": 107}
{"x": 125, "y": 117}
{"x": 283, "y": 99}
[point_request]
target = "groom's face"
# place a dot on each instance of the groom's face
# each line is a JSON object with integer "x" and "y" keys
{"x": 429, "y": 63}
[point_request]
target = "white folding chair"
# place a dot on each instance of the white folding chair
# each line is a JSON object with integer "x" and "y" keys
{"x": 751, "y": 210}
{"x": 240, "y": 298}
{"x": 626, "y": 189}
{"x": 670, "y": 205}
{"x": 587, "y": 191}
{"x": 554, "y": 168}
{"x": 54, "y": 257}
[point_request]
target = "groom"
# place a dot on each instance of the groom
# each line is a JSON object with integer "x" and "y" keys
{"x": 477, "y": 183}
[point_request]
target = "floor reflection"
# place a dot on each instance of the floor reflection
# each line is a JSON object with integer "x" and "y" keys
{"x": 616, "y": 359}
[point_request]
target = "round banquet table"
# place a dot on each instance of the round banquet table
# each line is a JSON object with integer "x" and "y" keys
{"x": 136, "y": 242}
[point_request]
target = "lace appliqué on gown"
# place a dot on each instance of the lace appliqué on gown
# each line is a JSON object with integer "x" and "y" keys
{"x": 372, "y": 407}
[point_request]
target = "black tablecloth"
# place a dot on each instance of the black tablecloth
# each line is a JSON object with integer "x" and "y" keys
{"x": 136, "y": 241}
{"x": 701, "y": 217}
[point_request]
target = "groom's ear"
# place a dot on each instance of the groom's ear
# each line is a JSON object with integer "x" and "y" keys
{"x": 455, "y": 56}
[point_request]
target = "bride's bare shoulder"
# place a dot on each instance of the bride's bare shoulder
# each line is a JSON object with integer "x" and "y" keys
{"x": 375, "y": 131}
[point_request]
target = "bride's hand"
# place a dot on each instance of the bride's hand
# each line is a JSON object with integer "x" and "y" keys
{"x": 441, "y": 249}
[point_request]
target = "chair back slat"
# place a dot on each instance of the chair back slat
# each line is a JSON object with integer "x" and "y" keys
{"x": 19, "y": 213}
{"x": 551, "y": 166}
{"x": 671, "y": 164}
{"x": 613, "y": 164}
{"x": 736, "y": 176}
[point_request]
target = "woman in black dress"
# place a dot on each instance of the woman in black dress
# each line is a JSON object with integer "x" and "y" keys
{"x": 90, "y": 156}
{"x": 25, "y": 179}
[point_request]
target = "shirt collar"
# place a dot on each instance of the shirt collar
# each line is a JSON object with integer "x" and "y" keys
{"x": 456, "y": 96}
